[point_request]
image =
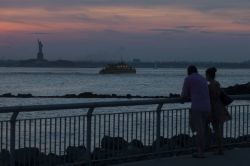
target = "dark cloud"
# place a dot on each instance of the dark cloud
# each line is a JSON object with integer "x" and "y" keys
{"x": 41, "y": 33}
{"x": 87, "y": 17}
{"x": 202, "y": 4}
{"x": 168, "y": 30}
{"x": 240, "y": 34}
{"x": 232, "y": 34}
{"x": 242, "y": 21}
{"x": 179, "y": 29}
{"x": 190, "y": 27}
{"x": 207, "y": 32}
{"x": 111, "y": 31}
{"x": 25, "y": 20}
{"x": 10, "y": 19}
{"x": 4, "y": 45}
{"x": 83, "y": 17}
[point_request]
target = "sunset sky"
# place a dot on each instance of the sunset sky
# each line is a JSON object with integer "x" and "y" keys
{"x": 152, "y": 30}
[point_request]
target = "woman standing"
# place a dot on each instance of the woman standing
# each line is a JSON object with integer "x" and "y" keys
{"x": 217, "y": 108}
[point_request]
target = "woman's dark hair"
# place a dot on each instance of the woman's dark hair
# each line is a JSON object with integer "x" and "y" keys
{"x": 211, "y": 72}
{"x": 192, "y": 69}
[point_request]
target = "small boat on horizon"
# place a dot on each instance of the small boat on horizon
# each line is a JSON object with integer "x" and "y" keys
{"x": 118, "y": 68}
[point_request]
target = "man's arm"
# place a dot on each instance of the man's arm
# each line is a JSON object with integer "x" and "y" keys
{"x": 185, "y": 89}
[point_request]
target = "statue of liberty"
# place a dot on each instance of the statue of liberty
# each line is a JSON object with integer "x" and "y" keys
{"x": 40, "y": 52}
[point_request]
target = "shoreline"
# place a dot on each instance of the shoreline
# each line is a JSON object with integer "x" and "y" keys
{"x": 238, "y": 89}
{"x": 100, "y": 64}
{"x": 84, "y": 95}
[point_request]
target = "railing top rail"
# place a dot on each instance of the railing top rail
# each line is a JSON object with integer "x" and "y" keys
{"x": 88, "y": 105}
{"x": 52, "y": 107}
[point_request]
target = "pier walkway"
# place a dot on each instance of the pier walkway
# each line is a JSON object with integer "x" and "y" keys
{"x": 236, "y": 157}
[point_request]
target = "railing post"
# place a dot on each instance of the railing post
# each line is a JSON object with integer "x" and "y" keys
{"x": 89, "y": 122}
{"x": 158, "y": 127}
{"x": 13, "y": 138}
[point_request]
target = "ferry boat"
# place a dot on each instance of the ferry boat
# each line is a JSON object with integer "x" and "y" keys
{"x": 118, "y": 68}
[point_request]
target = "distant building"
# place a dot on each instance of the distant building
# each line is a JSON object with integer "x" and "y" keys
{"x": 40, "y": 51}
{"x": 136, "y": 60}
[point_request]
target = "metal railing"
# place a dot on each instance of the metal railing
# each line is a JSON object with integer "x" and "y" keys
{"x": 91, "y": 137}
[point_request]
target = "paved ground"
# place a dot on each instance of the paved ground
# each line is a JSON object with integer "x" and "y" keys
{"x": 237, "y": 157}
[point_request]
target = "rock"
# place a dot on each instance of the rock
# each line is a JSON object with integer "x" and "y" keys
{"x": 113, "y": 143}
{"x": 42, "y": 160}
{"x": 86, "y": 95}
{"x": 163, "y": 141}
{"x": 172, "y": 95}
{"x": 70, "y": 96}
{"x": 229, "y": 140}
{"x": 92, "y": 95}
{"x": 7, "y": 95}
{"x": 134, "y": 147}
{"x": 99, "y": 153}
{"x": 76, "y": 154}
{"x": 24, "y": 95}
{"x": 242, "y": 139}
{"x": 147, "y": 149}
{"x": 51, "y": 160}
{"x": 181, "y": 141}
{"x": 114, "y": 95}
{"x": 129, "y": 96}
{"x": 27, "y": 156}
{"x": 131, "y": 150}
{"x": 136, "y": 143}
{"x": 4, "y": 157}
{"x": 166, "y": 148}
{"x": 238, "y": 89}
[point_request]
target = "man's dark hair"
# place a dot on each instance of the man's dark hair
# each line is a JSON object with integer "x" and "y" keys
{"x": 192, "y": 69}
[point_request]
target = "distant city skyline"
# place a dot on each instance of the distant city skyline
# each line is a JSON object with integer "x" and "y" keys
{"x": 151, "y": 30}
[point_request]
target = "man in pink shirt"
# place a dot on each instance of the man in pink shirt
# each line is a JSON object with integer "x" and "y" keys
{"x": 195, "y": 87}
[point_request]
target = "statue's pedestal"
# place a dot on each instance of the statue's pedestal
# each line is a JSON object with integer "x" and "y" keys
{"x": 40, "y": 56}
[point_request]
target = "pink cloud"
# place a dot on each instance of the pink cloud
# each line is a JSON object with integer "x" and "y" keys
{"x": 120, "y": 18}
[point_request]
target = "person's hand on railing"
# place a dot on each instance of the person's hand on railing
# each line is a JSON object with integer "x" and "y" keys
{"x": 182, "y": 100}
